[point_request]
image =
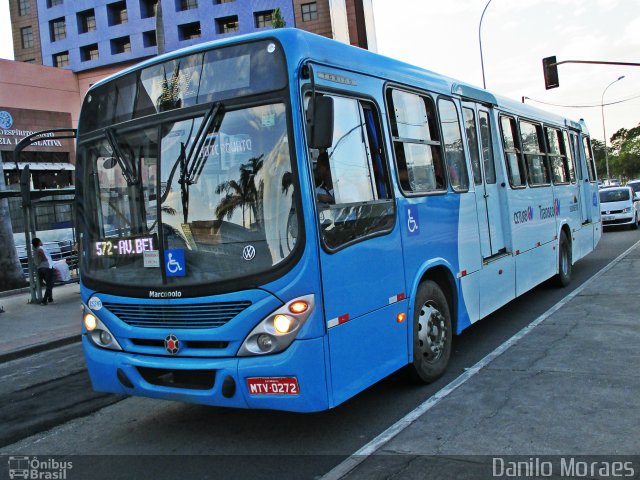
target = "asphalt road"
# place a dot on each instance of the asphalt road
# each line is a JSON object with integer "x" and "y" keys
{"x": 51, "y": 388}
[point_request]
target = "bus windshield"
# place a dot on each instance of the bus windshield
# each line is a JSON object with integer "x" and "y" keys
{"x": 190, "y": 202}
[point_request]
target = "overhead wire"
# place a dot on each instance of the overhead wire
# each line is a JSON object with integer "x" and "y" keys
{"x": 599, "y": 105}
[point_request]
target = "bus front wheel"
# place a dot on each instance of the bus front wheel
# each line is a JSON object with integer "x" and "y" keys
{"x": 432, "y": 333}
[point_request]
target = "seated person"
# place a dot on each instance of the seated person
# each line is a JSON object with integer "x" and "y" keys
{"x": 322, "y": 177}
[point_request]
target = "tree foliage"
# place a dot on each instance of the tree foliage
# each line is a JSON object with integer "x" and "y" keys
{"x": 277, "y": 20}
{"x": 624, "y": 154}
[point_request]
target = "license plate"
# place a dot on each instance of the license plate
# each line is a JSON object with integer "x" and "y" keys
{"x": 273, "y": 386}
{"x": 606, "y": 218}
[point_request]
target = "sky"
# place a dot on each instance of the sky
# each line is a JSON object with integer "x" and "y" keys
{"x": 442, "y": 36}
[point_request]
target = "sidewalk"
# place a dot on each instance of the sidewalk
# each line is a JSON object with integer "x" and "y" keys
{"x": 570, "y": 387}
{"x": 30, "y": 328}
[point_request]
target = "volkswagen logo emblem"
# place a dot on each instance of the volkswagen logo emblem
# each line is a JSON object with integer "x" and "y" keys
{"x": 248, "y": 252}
{"x": 172, "y": 344}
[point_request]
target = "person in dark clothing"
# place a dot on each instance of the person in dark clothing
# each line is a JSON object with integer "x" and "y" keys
{"x": 44, "y": 264}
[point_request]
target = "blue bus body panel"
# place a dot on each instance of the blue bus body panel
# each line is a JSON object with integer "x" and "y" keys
{"x": 304, "y": 360}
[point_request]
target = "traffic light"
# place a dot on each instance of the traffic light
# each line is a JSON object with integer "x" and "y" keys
{"x": 550, "y": 69}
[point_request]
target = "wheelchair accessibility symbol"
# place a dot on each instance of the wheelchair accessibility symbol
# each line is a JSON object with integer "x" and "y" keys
{"x": 413, "y": 226}
{"x": 174, "y": 262}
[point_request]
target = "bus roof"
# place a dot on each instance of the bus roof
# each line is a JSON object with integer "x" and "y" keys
{"x": 300, "y": 45}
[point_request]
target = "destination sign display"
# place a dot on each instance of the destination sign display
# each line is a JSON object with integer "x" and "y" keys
{"x": 124, "y": 246}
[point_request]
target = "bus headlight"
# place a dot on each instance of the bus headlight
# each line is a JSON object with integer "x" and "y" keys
{"x": 97, "y": 332}
{"x": 276, "y": 332}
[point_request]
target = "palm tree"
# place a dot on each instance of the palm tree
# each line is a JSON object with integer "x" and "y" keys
{"x": 11, "y": 275}
{"x": 241, "y": 193}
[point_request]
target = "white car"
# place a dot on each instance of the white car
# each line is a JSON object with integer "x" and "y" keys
{"x": 619, "y": 206}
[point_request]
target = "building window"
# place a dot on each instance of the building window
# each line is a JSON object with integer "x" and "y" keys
{"x": 58, "y": 29}
{"x": 86, "y": 21}
{"x": 149, "y": 39}
{"x": 227, "y": 24}
{"x": 309, "y": 11}
{"x": 263, "y": 19}
{"x": 189, "y": 31}
{"x": 24, "y": 7}
{"x": 89, "y": 52}
{"x": 61, "y": 59}
{"x": 26, "y": 35}
{"x": 54, "y": 3}
{"x": 117, "y": 13}
{"x": 120, "y": 45}
{"x": 148, "y": 8}
{"x": 186, "y": 4}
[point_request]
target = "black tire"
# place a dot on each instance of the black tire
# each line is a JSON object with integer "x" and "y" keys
{"x": 634, "y": 225}
{"x": 432, "y": 334}
{"x": 565, "y": 267}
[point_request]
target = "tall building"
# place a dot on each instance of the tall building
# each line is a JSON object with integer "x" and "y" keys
{"x": 84, "y": 35}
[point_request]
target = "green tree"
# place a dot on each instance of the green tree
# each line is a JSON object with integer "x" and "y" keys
{"x": 625, "y": 150}
{"x": 277, "y": 20}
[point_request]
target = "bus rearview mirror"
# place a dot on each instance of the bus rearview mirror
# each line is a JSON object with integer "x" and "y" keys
{"x": 321, "y": 124}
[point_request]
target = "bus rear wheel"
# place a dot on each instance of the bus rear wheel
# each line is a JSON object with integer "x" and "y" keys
{"x": 564, "y": 262}
{"x": 432, "y": 333}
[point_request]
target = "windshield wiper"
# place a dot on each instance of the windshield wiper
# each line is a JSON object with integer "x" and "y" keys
{"x": 190, "y": 165}
{"x": 129, "y": 175}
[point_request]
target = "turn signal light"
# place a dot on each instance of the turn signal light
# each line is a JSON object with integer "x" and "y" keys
{"x": 401, "y": 317}
{"x": 298, "y": 307}
{"x": 90, "y": 322}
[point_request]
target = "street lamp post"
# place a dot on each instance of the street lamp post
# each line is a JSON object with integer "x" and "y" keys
{"x": 604, "y": 130}
{"x": 484, "y": 83}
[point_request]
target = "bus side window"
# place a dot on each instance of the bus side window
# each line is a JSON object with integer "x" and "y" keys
{"x": 557, "y": 156}
{"x": 416, "y": 142}
{"x": 352, "y": 186}
{"x": 487, "y": 151}
{"x": 452, "y": 140}
{"x": 591, "y": 167}
{"x": 571, "y": 161}
{"x": 573, "y": 148}
{"x": 472, "y": 142}
{"x": 534, "y": 154}
{"x": 511, "y": 144}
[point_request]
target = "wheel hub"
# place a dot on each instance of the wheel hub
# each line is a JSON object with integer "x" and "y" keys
{"x": 432, "y": 332}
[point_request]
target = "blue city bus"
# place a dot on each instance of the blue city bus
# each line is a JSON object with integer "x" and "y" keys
{"x": 279, "y": 220}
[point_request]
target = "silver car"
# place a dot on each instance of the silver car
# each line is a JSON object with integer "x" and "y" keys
{"x": 619, "y": 206}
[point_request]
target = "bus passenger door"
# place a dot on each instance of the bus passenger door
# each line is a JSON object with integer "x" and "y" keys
{"x": 583, "y": 179}
{"x": 484, "y": 172}
{"x": 361, "y": 252}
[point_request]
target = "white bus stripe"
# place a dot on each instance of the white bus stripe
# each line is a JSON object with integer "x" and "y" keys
{"x": 385, "y": 437}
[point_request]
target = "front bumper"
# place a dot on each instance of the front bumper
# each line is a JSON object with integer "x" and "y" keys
{"x": 618, "y": 219}
{"x": 304, "y": 359}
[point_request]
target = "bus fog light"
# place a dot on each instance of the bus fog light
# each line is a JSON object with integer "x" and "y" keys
{"x": 265, "y": 342}
{"x": 90, "y": 322}
{"x": 282, "y": 324}
{"x": 105, "y": 337}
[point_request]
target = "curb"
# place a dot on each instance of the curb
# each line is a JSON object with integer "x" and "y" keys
{"x": 19, "y": 291}
{"x": 38, "y": 348}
